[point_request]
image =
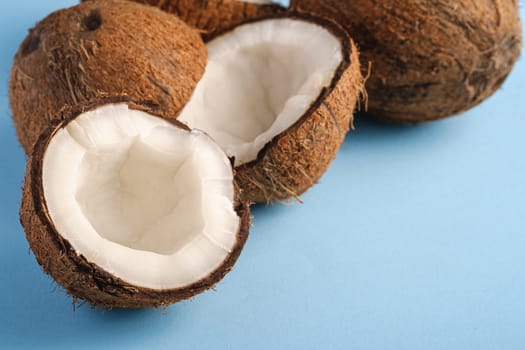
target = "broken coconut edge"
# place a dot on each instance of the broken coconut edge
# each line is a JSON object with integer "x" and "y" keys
{"x": 83, "y": 279}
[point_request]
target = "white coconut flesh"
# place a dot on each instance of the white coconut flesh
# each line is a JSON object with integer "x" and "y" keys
{"x": 146, "y": 201}
{"x": 260, "y": 79}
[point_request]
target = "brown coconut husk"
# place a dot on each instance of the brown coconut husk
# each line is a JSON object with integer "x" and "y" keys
{"x": 81, "y": 278}
{"x": 102, "y": 48}
{"x": 430, "y": 59}
{"x": 297, "y": 158}
{"x": 214, "y": 15}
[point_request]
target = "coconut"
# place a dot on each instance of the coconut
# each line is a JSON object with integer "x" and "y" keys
{"x": 430, "y": 59}
{"x": 102, "y": 48}
{"x": 214, "y": 15}
{"x": 124, "y": 208}
{"x": 278, "y": 96}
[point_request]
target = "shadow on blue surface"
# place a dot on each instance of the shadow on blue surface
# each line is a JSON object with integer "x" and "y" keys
{"x": 38, "y": 316}
{"x": 374, "y": 133}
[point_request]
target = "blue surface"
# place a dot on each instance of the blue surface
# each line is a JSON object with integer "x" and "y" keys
{"x": 414, "y": 239}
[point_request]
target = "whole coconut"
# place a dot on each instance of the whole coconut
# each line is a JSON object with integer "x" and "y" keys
{"x": 430, "y": 58}
{"x": 103, "y": 48}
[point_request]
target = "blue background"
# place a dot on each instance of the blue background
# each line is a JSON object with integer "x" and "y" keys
{"x": 414, "y": 239}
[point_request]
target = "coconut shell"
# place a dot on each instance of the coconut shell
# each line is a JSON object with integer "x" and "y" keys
{"x": 215, "y": 15}
{"x": 81, "y": 278}
{"x": 297, "y": 158}
{"x": 430, "y": 58}
{"x": 102, "y": 48}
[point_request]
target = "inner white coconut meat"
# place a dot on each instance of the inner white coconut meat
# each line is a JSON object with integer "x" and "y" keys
{"x": 149, "y": 202}
{"x": 260, "y": 79}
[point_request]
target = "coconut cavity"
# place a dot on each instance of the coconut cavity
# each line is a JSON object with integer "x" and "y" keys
{"x": 126, "y": 209}
{"x": 260, "y": 79}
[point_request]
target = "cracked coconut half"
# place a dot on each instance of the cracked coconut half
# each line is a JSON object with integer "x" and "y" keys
{"x": 126, "y": 209}
{"x": 278, "y": 96}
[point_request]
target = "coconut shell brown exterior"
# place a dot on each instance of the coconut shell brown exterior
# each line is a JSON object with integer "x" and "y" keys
{"x": 102, "y": 48}
{"x": 430, "y": 58}
{"x": 297, "y": 158}
{"x": 215, "y": 15}
{"x": 81, "y": 278}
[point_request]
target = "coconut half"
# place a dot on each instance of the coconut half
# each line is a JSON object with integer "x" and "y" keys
{"x": 213, "y": 16}
{"x": 277, "y": 95}
{"x": 125, "y": 209}
{"x": 102, "y": 48}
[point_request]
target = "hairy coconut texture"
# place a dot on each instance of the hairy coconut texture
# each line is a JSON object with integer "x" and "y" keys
{"x": 430, "y": 58}
{"x": 90, "y": 241}
{"x": 103, "y": 48}
{"x": 214, "y": 15}
{"x": 278, "y": 96}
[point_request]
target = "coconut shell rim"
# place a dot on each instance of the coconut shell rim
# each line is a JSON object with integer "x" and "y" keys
{"x": 101, "y": 277}
{"x": 346, "y": 49}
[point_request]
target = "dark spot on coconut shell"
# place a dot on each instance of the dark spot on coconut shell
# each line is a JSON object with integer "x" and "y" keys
{"x": 93, "y": 21}
{"x": 31, "y": 43}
